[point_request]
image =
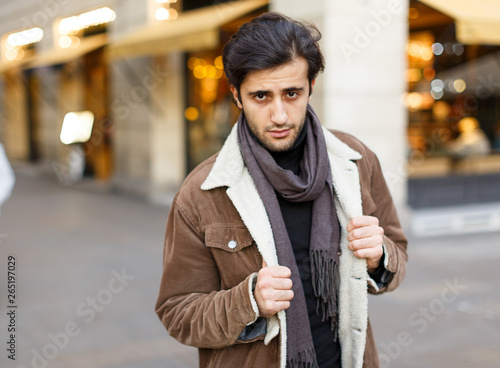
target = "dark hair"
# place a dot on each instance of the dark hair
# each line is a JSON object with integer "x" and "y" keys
{"x": 268, "y": 42}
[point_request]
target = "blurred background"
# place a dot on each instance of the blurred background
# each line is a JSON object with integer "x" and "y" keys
{"x": 105, "y": 106}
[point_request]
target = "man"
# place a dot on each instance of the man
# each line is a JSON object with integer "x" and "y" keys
{"x": 272, "y": 243}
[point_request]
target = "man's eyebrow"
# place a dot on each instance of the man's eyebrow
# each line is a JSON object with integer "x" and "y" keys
{"x": 253, "y": 93}
{"x": 289, "y": 89}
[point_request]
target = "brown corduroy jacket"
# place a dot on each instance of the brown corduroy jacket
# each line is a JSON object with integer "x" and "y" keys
{"x": 217, "y": 235}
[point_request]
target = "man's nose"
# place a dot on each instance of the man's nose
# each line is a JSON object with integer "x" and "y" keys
{"x": 278, "y": 114}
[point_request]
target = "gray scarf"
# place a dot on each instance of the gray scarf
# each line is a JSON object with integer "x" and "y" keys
{"x": 314, "y": 183}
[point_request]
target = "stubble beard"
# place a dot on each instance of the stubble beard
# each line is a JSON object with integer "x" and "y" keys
{"x": 276, "y": 144}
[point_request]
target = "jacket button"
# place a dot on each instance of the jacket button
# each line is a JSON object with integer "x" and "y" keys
{"x": 232, "y": 244}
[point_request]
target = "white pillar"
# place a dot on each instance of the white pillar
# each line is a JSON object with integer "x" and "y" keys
{"x": 168, "y": 148}
{"x": 364, "y": 43}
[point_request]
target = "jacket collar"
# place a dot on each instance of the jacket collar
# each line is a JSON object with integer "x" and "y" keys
{"x": 229, "y": 165}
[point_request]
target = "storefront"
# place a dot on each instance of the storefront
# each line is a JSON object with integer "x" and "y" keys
{"x": 453, "y": 104}
{"x": 77, "y": 65}
{"x": 188, "y": 113}
{"x": 18, "y": 105}
{"x": 45, "y": 85}
{"x": 210, "y": 112}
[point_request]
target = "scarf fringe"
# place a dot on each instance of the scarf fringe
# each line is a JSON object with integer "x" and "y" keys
{"x": 304, "y": 359}
{"x": 325, "y": 281}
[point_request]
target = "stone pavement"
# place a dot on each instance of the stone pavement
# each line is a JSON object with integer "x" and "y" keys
{"x": 88, "y": 267}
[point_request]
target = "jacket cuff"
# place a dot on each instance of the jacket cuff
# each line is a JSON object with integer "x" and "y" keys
{"x": 390, "y": 261}
{"x": 252, "y": 281}
{"x": 379, "y": 279}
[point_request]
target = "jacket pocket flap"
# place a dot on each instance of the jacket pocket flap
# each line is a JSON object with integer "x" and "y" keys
{"x": 230, "y": 239}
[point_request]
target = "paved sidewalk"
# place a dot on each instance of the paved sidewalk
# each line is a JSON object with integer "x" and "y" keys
{"x": 88, "y": 268}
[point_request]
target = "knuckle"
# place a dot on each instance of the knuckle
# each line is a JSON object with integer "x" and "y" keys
{"x": 263, "y": 284}
{"x": 352, "y": 246}
{"x": 268, "y": 305}
{"x": 266, "y": 294}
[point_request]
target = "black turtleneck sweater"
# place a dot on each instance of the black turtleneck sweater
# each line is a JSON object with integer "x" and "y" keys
{"x": 297, "y": 218}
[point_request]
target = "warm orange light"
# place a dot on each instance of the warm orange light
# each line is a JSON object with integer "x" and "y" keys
{"x": 218, "y": 62}
{"x": 193, "y": 63}
{"x": 191, "y": 113}
{"x": 200, "y": 72}
{"x": 414, "y": 75}
{"x": 413, "y": 13}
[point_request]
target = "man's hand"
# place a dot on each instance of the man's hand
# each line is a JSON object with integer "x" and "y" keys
{"x": 365, "y": 240}
{"x": 273, "y": 290}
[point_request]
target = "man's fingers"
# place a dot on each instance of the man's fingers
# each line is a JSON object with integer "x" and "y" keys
{"x": 372, "y": 241}
{"x": 369, "y": 253}
{"x": 277, "y": 295}
{"x": 274, "y": 307}
{"x": 365, "y": 232}
{"x": 361, "y": 221}
{"x": 276, "y": 271}
{"x": 266, "y": 282}
{"x": 282, "y": 305}
{"x": 283, "y": 295}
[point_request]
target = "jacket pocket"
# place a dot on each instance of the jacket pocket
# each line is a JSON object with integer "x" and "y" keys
{"x": 234, "y": 252}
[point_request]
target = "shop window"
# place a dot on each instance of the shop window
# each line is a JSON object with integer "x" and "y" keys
{"x": 210, "y": 111}
{"x": 453, "y": 103}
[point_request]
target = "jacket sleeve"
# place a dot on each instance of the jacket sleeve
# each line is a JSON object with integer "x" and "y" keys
{"x": 190, "y": 303}
{"x": 395, "y": 242}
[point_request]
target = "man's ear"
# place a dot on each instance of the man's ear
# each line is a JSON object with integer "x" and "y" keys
{"x": 311, "y": 87}
{"x": 236, "y": 97}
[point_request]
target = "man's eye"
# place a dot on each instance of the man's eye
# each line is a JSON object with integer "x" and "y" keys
{"x": 260, "y": 96}
{"x": 292, "y": 94}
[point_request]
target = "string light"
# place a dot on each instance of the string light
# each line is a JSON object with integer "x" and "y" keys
{"x": 74, "y": 24}
{"x": 164, "y": 14}
{"x": 64, "y": 42}
{"x": 25, "y": 37}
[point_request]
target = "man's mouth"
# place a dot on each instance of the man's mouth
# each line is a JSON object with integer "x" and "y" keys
{"x": 279, "y": 133}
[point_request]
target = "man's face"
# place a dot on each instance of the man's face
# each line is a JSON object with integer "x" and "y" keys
{"x": 275, "y": 103}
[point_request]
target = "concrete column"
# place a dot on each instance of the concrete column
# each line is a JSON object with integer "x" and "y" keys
{"x": 364, "y": 44}
{"x": 147, "y": 107}
{"x": 50, "y": 116}
{"x": 132, "y": 118}
{"x": 168, "y": 148}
